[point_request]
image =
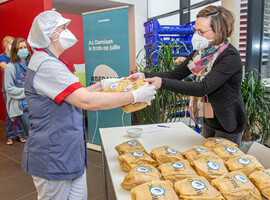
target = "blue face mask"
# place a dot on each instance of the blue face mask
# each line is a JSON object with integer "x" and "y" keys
{"x": 23, "y": 53}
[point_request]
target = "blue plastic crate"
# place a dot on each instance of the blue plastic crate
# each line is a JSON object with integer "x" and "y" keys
{"x": 154, "y": 37}
{"x": 153, "y": 25}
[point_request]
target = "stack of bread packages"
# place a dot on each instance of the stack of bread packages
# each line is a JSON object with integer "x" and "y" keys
{"x": 215, "y": 170}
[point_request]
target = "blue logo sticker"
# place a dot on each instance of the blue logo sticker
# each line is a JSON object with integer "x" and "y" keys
{"x": 171, "y": 151}
{"x": 213, "y": 165}
{"x": 113, "y": 86}
{"x": 178, "y": 165}
{"x": 142, "y": 169}
{"x": 244, "y": 161}
{"x": 132, "y": 143}
{"x": 128, "y": 88}
{"x": 198, "y": 185}
{"x": 158, "y": 191}
{"x": 219, "y": 139}
{"x": 231, "y": 150}
{"x": 241, "y": 178}
{"x": 201, "y": 150}
{"x": 137, "y": 154}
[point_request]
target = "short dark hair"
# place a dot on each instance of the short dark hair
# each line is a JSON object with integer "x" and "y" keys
{"x": 221, "y": 22}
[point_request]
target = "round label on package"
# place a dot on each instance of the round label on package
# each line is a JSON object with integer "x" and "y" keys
{"x": 171, "y": 151}
{"x": 213, "y": 165}
{"x": 132, "y": 143}
{"x": 198, "y": 185}
{"x": 128, "y": 88}
{"x": 201, "y": 150}
{"x": 241, "y": 178}
{"x": 231, "y": 150}
{"x": 219, "y": 139}
{"x": 113, "y": 86}
{"x": 137, "y": 154}
{"x": 142, "y": 169}
{"x": 244, "y": 161}
{"x": 158, "y": 191}
{"x": 178, "y": 165}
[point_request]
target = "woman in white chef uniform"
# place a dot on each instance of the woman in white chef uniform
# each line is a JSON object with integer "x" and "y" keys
{"x": 55, "y": 152}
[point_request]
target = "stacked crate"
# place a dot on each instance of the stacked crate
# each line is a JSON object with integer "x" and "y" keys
{"x": 155, "y": 33}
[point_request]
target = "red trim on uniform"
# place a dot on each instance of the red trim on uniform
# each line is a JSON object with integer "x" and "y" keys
{"x": 71, "y": 88}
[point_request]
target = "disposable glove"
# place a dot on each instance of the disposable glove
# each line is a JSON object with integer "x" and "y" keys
{"x": 109, "y": 81}
{"x": 144, "y": 94}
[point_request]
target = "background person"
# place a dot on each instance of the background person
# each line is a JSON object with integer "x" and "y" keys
{"x": 4, "y": 60}
{"x": 55, "y": 152}
{"x": 218, "y": 69}
{"x": 14, "y": 84}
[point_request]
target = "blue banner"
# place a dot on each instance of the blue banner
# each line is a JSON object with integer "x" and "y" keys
{"x": 106, "y": 48}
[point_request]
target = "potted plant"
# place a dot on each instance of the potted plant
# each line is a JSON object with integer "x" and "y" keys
{"x": 256, "y": 98}
{"x": 167, "y": 105}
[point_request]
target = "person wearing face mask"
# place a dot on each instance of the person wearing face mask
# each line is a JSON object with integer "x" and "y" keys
{"x": 4, "y": 60}
{"x": 217, "y": 67}
{"x": 55, "y": 152}
{"x": 15, "y": 73}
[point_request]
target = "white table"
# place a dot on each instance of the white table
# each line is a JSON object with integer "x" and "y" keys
{"x": 180, "y": 137}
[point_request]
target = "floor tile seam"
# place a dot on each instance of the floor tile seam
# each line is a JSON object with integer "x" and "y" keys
{"x": 25, "y": 195}
{"x": 7, "y": 177}
{"x": 11, "y": 158}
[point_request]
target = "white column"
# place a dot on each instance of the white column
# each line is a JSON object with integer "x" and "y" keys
{"x": 234, "y": 7}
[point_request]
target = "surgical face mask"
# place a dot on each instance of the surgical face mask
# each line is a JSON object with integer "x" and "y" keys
{"x": 23, "y": 53}
{"x": 9, "y": 47}
{"x": 66, "y": 39}
{"x": 199, "y": 42}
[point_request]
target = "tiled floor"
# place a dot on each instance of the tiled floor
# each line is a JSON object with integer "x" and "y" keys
{"x": 15, "y": 184}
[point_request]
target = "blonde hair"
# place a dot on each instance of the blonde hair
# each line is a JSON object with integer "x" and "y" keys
{"x": 6, "y": 40}
{"x": 221, "y": 22}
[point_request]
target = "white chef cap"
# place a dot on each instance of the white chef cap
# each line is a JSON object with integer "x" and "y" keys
{"x": 43, "y": 27}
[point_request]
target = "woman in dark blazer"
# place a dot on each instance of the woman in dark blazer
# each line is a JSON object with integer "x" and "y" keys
{"x": 217, "y": 66}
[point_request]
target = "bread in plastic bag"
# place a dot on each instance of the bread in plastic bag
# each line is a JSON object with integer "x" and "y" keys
{"x": 210, "y": 167}
{"x": 177, "y": 171}
{"x": 212, "y": 142}
{"x": 244, "y": 163}
{"x": 165, "y": 154}
{"x": 129, "y": 146}
{"x": 154, "y": 190}
{"x": 127, "y": 86}
{"x": 198, "y": 152}
{"x": 227, "y": 151}
{"x": 139, "y": 175}
{"x": 262, "y": 180}
{"x": 197, "y": 188}
{"x": 133, "y": 159}
{"x": 235, "y": 186}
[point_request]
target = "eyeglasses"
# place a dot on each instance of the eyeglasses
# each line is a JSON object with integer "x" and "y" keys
{"x": 199, "y": 32}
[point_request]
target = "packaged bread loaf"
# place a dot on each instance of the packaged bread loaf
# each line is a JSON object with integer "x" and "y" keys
{"x": 166, "y": 154}
{"x": 244, "y": 163}
{"x": 133, "y": 159}
{"x": 196, "y": 188}
{"x": 262, "y": 180}
{"x": 129, "y": 146}
{"x": 154, "y": 190}
{"x": 140, "y": 175}
{"x": 235, "y": 186}
{"x": 210, "y": 167}
{"x": 127, "y": 86}
{"x": 177, "y": 171}
{"x": 215, "y": 141}
{"x": 198, "y": 152}
{"x": 227, "y": 151}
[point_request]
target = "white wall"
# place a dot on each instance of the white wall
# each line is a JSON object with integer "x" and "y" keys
{"x": 139, "y": 8}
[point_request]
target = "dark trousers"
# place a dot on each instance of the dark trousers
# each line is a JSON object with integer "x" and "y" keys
{"x": 211, "y": 132}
